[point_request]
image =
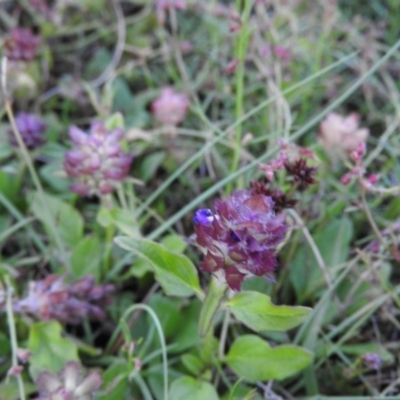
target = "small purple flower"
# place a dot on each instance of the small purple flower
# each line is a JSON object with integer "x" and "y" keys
{"x": 21, "y": 45}
{"x": 53, "y": 298}
{"x": 68, "y": 384}
{"x": 31, "y": 129}
{"x": 97, "y": 161}
{"x": 170, "y": 107}
{"x": 372, "y": 360}
{"x": 239, "y": 239}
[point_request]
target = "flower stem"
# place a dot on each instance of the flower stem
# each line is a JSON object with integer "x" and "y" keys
{"x": 28, "y": 161}
{"x": 13, "y": 336}
{"x": 240, "y": 52}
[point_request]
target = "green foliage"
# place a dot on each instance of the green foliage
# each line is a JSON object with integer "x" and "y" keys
{"x": 333, "y": 243}
{"x": 50, "y": 351}
{"x": 109, "y": 61}
{"x": 86, "y": 258}
{"x": 252, "y": 359}
{"x": 175, "y": 272}
{"x": 59, "y": 217}
{"x": 187, "y": 387}
{"x": 256, "y": 311}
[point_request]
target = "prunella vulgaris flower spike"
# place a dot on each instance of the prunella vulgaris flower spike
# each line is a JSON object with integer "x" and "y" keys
{"x": 97, "y": 161}
{"x": 239, "y": 238}
{"x": 68, "y": 384}
{"x": 21, "y": 45}
{"x": 31, "y": 129}
{"x": 53, "y": 298}
{"x": 170, "y": 107}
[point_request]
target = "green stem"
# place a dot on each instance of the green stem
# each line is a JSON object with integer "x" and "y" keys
{"x": 13, "y": 336}
{"x": 34, "y": 176}
{"x": 158, "y": 326}
{"x": 224, "y": 334}
{"x": 240, "y": 52}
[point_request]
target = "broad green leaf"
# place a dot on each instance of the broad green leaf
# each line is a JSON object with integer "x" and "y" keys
{"x": 168, "y": 312}
{"x": 122, "y": 219}
{"x": 86, "y": 258}
{"x": 211, "y": 305}
{"x": 50, "y": 351}
{"x": 186, "y": 387}
{"x": 115, "y": 381}
{"x": 9, "y": 389}
{"x": 252, "y": 359}
{"x": 56, "y": 214}
{"x": 150, "y": 164}
{"x": 256, "y": 311}
{"x": 172, "y": 242}
{"x": 193, "y": 363}
{"x": 174, "y": 272}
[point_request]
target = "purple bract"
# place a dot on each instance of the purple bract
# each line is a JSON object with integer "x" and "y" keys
{"x": 53, "y": 298}
{"x": 239, "y": 239}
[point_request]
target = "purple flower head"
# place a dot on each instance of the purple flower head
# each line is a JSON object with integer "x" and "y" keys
{"x": 170, "y": 107}
{"x": 31, "y": 129}
{"x": 21, "y": 45}
{"x": 68, "y": 384}
{"x": 97, "y": 161}
{"x": 372, "y": 360}
{"x": 52, "y": 298}
{"x": 239, "y": 239}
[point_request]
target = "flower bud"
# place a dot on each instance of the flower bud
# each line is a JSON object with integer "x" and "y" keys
{"x": 31, "y": 129}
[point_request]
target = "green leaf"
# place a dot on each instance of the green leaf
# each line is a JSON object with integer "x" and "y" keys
{"x": 9, "y": 389}
{"x": 172, "y": 242}
{"x": 150, "y": 164}
{"x": 256, "y": 311}
{"x": 50, "y": 351}
{"x": 122, "y": 219}
{"x": 174, "y": 272}
{"x": 186, "y": 387}
{"x": 115, "y": 381}
{"x": 115, "y": 121}
{"x": 211, "y": 305}
{"x": 193, "y": 363}
{"x": 86, "y": 258}
{"x": 53, "y": 212}
{"x": 253, "y": 359}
